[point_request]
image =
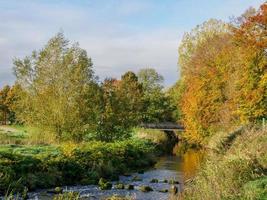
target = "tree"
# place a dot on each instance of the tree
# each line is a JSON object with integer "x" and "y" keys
{"x": 251, "y": 86}
{"x": 150, "y": 79}
{"x": 3, "y": 103}
{"x": 121, "y": 105}
{"x": 204, "y": 66}
{"x": 157, "y": 105}
{"x": 11, "y": 102}
{"x": 175, "y": 94}
{"x": 58, "y": 84}
{"x": 110, "y": 125}
{"x": 130, "y": 93}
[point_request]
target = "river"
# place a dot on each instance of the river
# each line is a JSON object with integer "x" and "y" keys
{"x": 180, "y": 167}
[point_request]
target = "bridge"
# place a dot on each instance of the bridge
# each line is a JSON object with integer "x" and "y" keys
{"x": 166, "y": 126}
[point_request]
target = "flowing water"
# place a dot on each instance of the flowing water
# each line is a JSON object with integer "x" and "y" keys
{"x": 178, "y": 167}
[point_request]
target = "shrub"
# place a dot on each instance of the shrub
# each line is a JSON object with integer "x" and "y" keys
{"x": 35, "y": 167}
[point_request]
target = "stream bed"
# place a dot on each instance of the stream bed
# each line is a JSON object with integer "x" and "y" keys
{"x": 177, "y": 167}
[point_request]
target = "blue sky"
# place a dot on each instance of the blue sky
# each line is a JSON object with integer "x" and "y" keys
{"x": 119, "y": 35}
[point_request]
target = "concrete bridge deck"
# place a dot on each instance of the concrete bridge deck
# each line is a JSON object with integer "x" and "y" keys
{"x": 166, "y": 126}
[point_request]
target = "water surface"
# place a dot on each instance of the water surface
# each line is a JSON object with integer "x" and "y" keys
{"x": 177, "y": 167}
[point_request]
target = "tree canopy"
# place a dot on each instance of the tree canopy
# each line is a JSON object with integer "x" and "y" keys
{"x": 56, "y": 83}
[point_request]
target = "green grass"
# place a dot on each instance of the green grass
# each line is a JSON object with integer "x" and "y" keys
{"x": 29, "y": 149}
{"x": 45, "y": 166}
{"x": 25, "y": 135}
{"x": 236, "y": 167}
{"x": 155, "y": 136}
{"x": 163, "y": 143}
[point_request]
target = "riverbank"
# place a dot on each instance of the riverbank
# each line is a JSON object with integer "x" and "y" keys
{"x": 25, "y": 167}
{"x": 235, "y": 167}
{"x": 79, "y": 167}
{"x": 158, "y": 182}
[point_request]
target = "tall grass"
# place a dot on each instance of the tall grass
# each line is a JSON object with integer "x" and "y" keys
{"x": 25, "y": 135}
{"x": 236, "y": 168}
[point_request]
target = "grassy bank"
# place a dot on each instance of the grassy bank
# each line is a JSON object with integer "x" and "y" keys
{"x": 163, "y": 142}
{"x": 236, "y": 167}
{"x": 45, "y": 166}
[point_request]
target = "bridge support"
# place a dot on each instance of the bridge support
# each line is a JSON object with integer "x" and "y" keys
{"x": 172, "y": 140}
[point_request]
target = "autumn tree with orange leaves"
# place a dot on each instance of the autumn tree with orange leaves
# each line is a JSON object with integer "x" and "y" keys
{"x": 224, "y": 75}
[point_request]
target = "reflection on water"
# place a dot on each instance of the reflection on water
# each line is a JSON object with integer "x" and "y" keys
{"x": 180, "y": 167}
{"x": 191, "y": 162}
{"x": 186, "y": 163}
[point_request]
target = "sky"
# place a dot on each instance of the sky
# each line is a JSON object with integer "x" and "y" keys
{"x": 119, "y": 35}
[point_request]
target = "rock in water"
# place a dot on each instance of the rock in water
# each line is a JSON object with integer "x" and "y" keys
{"x": 163, "y": 190}
{"x": 154, "y": 180}
{"x": 145, "y": 188}
{"x": 57, "y": 190}
{"x": 129, "y": 187}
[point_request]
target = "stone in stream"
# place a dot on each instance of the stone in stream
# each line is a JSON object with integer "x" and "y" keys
{"x": 136, "y": 178}
{"x": 141, "y": 171}
{"x": 56, "y": 190}
{"x": 164, "y": 181}
{"x": 173, "y": 189}
{"x": 163, "y": 190}
{"x": 145, "y": 188}
{"x": 154, "y": 180}
{"x": 104, "y": 184}
{"x": 129, "y": 187}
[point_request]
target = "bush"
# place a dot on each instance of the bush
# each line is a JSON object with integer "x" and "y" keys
{"x": 85, "y": 164}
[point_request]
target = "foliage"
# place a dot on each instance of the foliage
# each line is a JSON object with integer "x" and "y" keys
{"x": 175, "y": 94}
{"x": 120, "y": 107}
{"x": 56, "y": 91}
{"x": 157, "y": 105}
{"x": 251, "y": 93}
{"x": 150, "y": 79}
{"x": 256, "y": 189}
{"x": 130, "y": 91}
{"x": 237, "y": 171}
{"x": 4, "y": 108}
{"x": 11, "y": 101}
{"x": 50, "y": 166}
{"x": 203, "y": 66}
{"x": 58, "y": 86}
{"x": 223, "y": 75}
{"x": 67, "y": 196}
{"x": 163, "y": 141}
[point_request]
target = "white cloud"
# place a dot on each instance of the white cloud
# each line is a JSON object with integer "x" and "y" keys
{"x": 113, "y": 33}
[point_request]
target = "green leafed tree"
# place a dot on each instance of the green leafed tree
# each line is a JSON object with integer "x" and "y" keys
{"x": 121, "y": 104}
{"x": 157, "y": 105}
{"x": 130, "y": 93}
{"x": 110, "y": 124}
{"x": 58, "y": 86}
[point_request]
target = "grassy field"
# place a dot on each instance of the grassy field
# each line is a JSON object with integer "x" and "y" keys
{"x": 18, "y": 134}
{"x": 236, "y": 168}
